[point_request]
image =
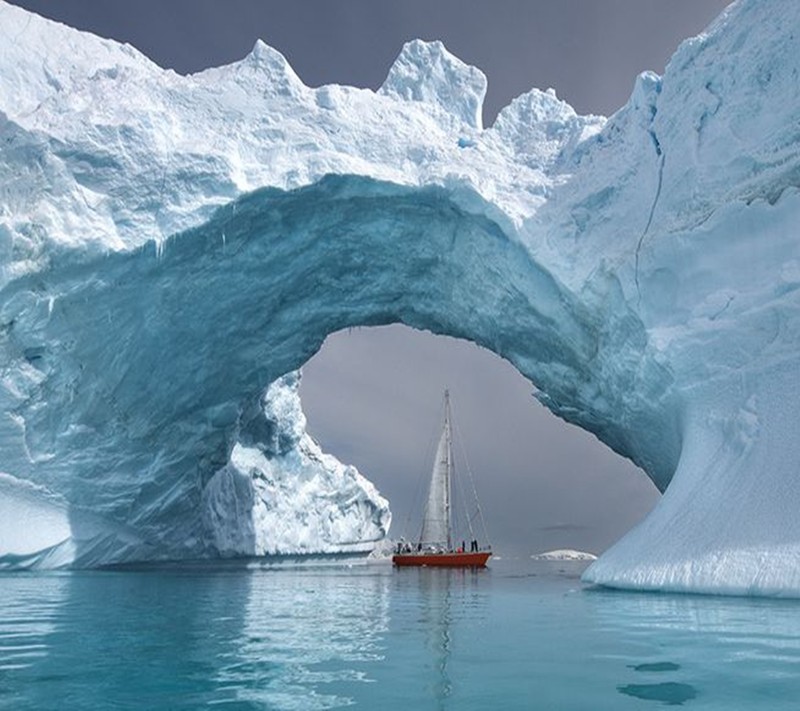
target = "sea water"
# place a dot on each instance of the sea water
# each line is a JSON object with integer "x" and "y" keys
{"x": 518, "y": 635}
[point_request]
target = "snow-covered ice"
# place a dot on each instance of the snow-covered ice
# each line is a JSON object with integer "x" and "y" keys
{"x": 565, "y": 554}
{"x": 171, "y": 246}
{"x": 280, "y": 493}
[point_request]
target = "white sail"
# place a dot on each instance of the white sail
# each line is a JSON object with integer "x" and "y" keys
{"x": 436, "y": 524}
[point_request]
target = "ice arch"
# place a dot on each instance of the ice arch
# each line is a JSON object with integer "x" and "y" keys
{"x": 156, "y": 361}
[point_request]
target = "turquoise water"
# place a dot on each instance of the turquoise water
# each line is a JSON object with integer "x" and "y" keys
{"x": 521, "y": 635}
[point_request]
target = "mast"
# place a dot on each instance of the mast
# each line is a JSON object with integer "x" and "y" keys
{"x": 436, "y": 524}
{"x": 449, "y": 467}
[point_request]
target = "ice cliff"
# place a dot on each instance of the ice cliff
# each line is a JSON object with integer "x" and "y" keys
{"x": 171, "y": 247}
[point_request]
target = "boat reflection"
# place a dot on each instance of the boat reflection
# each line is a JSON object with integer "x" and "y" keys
{"x": 451, "y": 611}
{"x": 436, "y": 618}
{"x": 309, "y": 636}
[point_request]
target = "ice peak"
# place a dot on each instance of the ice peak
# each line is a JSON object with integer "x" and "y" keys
{"x": 262, "y": 55}
{"x": 539, "y": 125}
{"x": 539, "y": 106}
{"x": 267, "y": 63}
{"x": 426, "y": 71}
{"x": 645, "y": 91}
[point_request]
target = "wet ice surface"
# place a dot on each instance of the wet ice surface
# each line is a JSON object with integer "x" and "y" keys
{"x": 519, "y": 635}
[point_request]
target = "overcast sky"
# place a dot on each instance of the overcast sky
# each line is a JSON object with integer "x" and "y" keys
{"x": 373, "y": 396}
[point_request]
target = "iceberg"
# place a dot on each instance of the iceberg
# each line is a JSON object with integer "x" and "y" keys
{"x": 174, "y": 248}
{"x": 279, "y": 493}
{"x": 564, "y": 554}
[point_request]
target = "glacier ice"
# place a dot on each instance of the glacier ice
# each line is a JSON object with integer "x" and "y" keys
{"x": 173, "y": 249}
{"x": 280, "y": 493}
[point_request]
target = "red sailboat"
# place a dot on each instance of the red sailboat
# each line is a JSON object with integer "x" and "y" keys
{"x": 435, "y": 545}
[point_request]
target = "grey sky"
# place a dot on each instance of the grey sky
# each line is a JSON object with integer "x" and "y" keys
{"x": 373, "y": 396}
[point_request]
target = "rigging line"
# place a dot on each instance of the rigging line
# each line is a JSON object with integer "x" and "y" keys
{"x": 414, "y": 502}
{"x": 472, "y": 482}
{"x": 415, "y": 499}
{"x": 457, "y": 479}
{"x": 463, "y": 498}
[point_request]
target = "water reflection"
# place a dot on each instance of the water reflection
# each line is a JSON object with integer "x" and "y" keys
{"x": 669, "y": 693}
{"x": 445, "y": 612}
{"x": 28, "y": 616}
{"x": 656, "y": 667}
{"x": 435, "y": 620}
{"x": 132, "y": 640}
{"x": 308, "y": 637}
{"x": 184, "y": 639}
{"x": 681, "y": 648}
{"x": 286, "y": 639}
{"x": 374, "y": 637}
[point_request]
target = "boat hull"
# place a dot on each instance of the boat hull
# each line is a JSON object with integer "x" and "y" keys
{"x": 442, "y": 560}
